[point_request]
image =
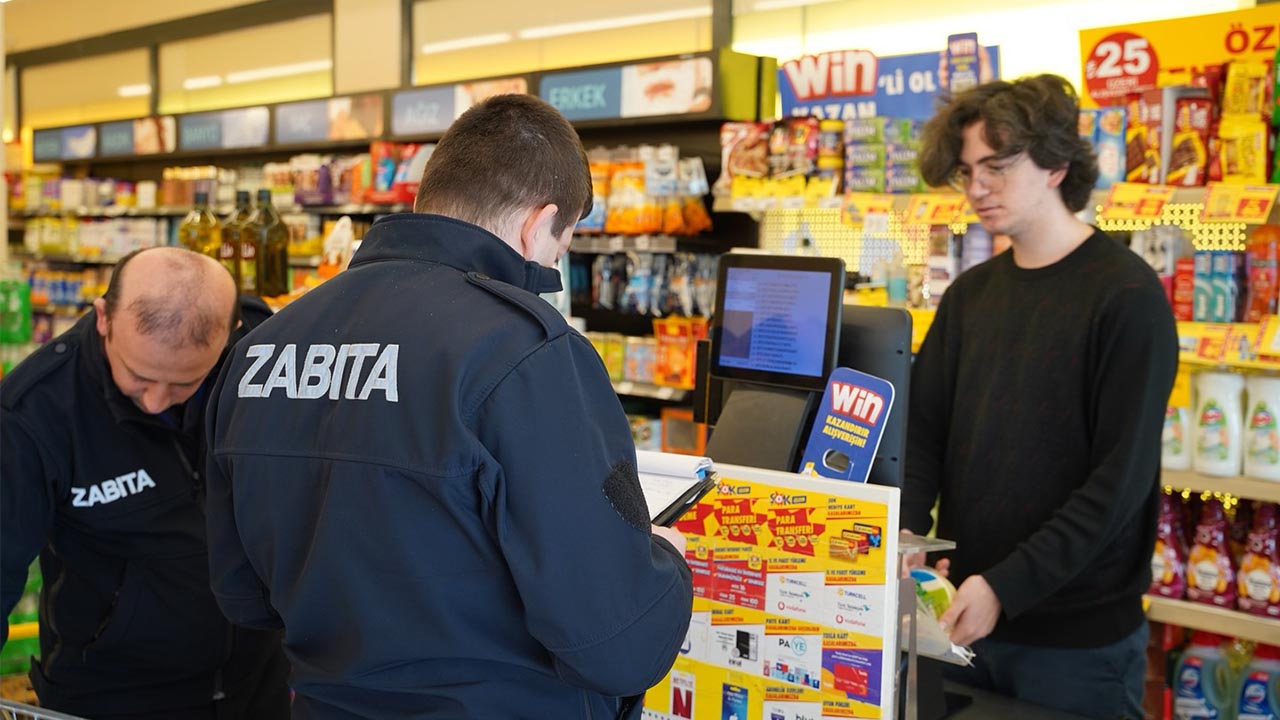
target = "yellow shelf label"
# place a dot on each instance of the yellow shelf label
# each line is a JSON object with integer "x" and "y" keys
{"x": 857, "y": 206}
{"x": 1249, "y": 204}
{"x": 934, "y": 208}
{"x": 1133, "y": 201}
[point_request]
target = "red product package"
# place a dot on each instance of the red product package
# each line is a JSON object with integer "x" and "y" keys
{"x": 1183, "y": 299}
{"x": 1262, "y": 257}
{"x": 744, "y": 148}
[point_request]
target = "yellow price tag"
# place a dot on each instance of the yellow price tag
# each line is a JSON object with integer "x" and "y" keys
{"x": 1213, "y": 342}
{"x": 1249, "y": 204}
{"x": 1133, "y": 201}
{"x": 857, "y": 206}
{"x": 1267, "y": 344}
{"x": 934, "y": 208}
{"x": 967, "y": 215}
{"x": 1241, "y": 342}
{"x": 819, "y": 188}
{"x": 1180, "y": 397}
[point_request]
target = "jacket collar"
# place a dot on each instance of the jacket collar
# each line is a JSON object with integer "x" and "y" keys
{"x": 438, "y": 239}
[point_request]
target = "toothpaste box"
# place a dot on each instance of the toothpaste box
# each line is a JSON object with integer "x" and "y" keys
{"x": 902, "y": 179}
{"x": 1203, "y": 287}
{"x": 862, "y": 179}
{"x": 864, "y": 155}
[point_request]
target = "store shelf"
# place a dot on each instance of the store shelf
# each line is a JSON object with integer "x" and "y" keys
{"x": 68, "y": 310}
{"x": 172, "y": 212}
{"x": 1245, "y": 487}
{"x": 306, "y": 261}
{"x": 69, "y": 259}
{"x": 623, "y": 243}
{"x": 647, "y": 390}
{"x": 348, "y": 209}
{"x": 1198, "y": 616}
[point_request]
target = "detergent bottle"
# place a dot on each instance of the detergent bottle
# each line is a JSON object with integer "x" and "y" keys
{"x": 1203, "y": 680}
{"x": 1262, "y": 451}
{"x": 1211, "y": 571}
{"x": 1169, "y": 561}
{"x": 1176, "y": 439}
{"x": 1259, "y": 576}
{"x": 1219, "y": 419}
{"x": 1258, "y": 697}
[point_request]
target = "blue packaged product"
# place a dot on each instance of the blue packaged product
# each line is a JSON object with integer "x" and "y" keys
{"x": 1202, "y": 680}
{"x": 901, "y": 154}
{"x": 902, "y": 179}
{"x": 864, "y": 130}
{"x": 1203, "y": 287}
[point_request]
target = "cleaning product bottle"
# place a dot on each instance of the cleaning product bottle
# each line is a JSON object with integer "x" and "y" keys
{"x": 1262, "y": 450}
{"x": 1259, "y": 578}
{"x": 1259, "y": 695}
{"x": 1175, "y": 439}
{"x": 1169, "y": 561}
{"x": 1211, "y": 572}
{"x": 1203, "y": 680}
{"x": 1219, "y": 415}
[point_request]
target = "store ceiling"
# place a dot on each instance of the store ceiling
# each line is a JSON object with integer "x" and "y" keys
{"x": 31, "y": 24}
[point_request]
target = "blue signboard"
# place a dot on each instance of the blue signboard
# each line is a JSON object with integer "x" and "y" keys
{"x": 421, "y": 112}
{"x": 116, "y": 138}
{"x": 69, "y": 143}
{"x": 302, "y": 122}
{"x": 46, "y": 145}
{"x": 586, "y": 95}
{"x": 200, "y": 132}
{"x": 850, "y": 84}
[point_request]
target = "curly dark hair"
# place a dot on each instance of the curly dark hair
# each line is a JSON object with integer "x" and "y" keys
{"x": 1037, "y": 115}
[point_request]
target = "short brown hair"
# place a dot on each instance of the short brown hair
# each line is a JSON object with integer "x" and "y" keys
{"x": 1037, "y": 115}
{"x": 509, "y": 153}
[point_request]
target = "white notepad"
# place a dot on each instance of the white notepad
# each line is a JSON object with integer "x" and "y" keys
{"x": 672, "y": 483}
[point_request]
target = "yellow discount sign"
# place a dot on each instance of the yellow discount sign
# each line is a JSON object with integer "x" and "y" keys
{"x": 1133, "y": 201}
{"x": 935, "y": 208}
{"x": 1249, "y": 204}
{"x": 1132, "y": 58}
{"x": 857, "y": 206}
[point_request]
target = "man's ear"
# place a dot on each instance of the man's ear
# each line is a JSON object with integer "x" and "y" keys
{"x": 100, "y": 307}
{"x": 1057, "y": 176}
{"x": 537, "y": 225}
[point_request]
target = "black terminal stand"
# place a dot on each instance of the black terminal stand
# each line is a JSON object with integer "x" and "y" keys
{"x": 762, "y": 426}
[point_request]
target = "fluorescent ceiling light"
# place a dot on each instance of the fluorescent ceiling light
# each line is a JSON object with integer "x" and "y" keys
{"x": 761, "y": 5}
{"x": 276, "y": 71}
{"x": 572, "y": 28}
{"x": 134, "y": 90}
{"x": 465, "y": 42}
{"x": 201, "y": 82}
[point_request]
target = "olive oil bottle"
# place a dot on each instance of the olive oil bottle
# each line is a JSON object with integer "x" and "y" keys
{"x": 271, "y": 247}
{"x": 232, "y": 232}
{"x": 200, "y": 230}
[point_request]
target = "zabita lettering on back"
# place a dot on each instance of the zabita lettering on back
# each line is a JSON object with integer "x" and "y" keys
{"x": 109, "y": 491}
{"x": 344, "y": 372}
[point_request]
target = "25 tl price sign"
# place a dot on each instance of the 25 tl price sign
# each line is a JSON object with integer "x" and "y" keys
{"x": 1124, "y": 59}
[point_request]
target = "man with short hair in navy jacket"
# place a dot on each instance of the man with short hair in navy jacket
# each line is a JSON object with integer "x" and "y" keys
{"x": 101, "y": 459}
{"x": 423, "y": 475}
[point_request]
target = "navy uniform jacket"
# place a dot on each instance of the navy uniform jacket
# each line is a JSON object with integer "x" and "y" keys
{"x": 111, "y": 499}
{"x": 423, "y": 474}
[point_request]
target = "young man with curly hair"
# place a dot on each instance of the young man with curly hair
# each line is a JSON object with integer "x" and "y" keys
{"x": 1036, "y": 408}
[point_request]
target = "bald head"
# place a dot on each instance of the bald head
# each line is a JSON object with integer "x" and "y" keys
{"x": 173, "y": 295}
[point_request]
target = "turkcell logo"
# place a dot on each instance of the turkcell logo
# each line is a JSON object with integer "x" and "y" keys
{"x": 586, "y": 95}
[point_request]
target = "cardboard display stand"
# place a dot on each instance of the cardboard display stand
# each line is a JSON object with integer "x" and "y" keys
{"x": 796, "y": 602}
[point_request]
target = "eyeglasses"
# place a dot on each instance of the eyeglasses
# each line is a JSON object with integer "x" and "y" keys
{"x": 990, "y": 172}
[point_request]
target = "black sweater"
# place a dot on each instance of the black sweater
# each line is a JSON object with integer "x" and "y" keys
{"x": 1037, "y": 402}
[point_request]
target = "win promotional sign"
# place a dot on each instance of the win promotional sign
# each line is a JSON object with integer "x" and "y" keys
{"x": 852, "y": 84}
{"x": 851, "y": 420}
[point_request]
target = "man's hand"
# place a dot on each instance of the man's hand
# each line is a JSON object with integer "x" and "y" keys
{"x": 973, "y": 612}
{"x": 672, "y": 536}
{"x": 911, "y": 561}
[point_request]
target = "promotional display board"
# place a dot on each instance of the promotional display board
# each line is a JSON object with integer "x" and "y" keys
{"x": 851, "y": 84}
{"x": 1124, "y": 59}
{"x": 794, "y": 615}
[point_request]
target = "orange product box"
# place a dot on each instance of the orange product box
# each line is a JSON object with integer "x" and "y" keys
{"x": 677, "y": 339}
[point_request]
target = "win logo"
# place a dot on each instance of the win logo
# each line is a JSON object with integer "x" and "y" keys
{"x": 856, "y": 402}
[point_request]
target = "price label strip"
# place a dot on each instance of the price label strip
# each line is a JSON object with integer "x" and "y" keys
{"x": 1250, "y": 204}
{"x": 1132, "y": 201}
{"x": 1241, "y": 343}
{"x": 1267, "y": 344}
{"x": 857, "y": 206}
{"x": 934, "y": 208}
{"x": 1212, "y": 345}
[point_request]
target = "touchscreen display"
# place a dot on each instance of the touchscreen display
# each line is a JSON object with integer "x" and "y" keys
{"x": 775, "y": 320}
